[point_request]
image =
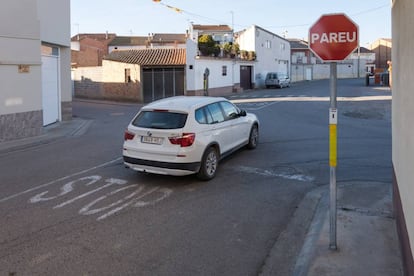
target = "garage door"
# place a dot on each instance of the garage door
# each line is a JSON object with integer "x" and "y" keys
{"x": 50, "y": 90}
{"x": 160, "y": 83}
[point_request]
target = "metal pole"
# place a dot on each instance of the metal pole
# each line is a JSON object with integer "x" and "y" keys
{"x": 333, "y": 154}
{"x": 359, "y": 61}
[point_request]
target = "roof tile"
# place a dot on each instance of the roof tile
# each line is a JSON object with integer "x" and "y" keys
{"x": 162, "y": 56}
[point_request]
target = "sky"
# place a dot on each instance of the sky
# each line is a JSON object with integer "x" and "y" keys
{"x": 287, "y": 18}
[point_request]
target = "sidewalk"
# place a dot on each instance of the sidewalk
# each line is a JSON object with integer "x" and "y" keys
{"x": 73, "y": 128}
{"x": 367, "y": 241}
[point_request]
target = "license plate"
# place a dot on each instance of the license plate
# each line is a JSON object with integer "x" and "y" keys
{"x": 151, "y": 140}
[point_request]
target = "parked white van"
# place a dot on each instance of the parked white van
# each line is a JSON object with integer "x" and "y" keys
{"x": 279, "y": 80}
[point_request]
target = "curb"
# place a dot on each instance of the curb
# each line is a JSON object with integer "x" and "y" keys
{"x": 282, "y": 256}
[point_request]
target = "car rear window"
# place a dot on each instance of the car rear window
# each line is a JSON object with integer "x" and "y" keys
{"x": 160, "y": 120}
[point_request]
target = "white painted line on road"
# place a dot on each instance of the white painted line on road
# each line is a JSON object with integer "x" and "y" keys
{"x": 256, "y": 107}
{"x": 313, "y": 99}
{"x": 58, "y": 180}
{"x": 264, "y": 172}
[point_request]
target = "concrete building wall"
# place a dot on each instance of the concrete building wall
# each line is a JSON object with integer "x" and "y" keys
{"x": 191, "y": 53}
{"x": 20, "y": 70}
{"x": 403, "y": 125}
{"x": 88, "y": 82}
{"x": 39, "y": 22}
{"x": 54, "y": 21}
{"x": 382, "y": 49}
{"x": 108, "y": 82}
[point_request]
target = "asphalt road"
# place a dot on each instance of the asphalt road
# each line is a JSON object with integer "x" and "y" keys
{"x": 69, "y": 207}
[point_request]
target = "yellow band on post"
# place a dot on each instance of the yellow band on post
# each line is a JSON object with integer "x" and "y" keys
{"x": 332, "y": 145}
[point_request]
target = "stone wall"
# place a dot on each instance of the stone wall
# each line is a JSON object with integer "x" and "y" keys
{"x": 66, "y": 108}
{"x": 20, "y": 125}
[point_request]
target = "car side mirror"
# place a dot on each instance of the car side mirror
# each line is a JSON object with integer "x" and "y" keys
{"x": 243, "y": 113}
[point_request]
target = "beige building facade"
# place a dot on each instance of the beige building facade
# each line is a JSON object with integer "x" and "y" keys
{"x": 403, "y": 125}
{"x": 35, "y": 79}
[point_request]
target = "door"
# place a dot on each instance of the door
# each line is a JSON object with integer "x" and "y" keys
{"x": 308, "y": 74}
{"x": 245, "y": 77}
{"x": 50, "y": 89}
{"x": 160, "y": 83}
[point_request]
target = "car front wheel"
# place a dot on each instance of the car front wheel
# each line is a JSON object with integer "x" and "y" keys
{"x": 209, "y": 164}
{"x": 253, "y": 137}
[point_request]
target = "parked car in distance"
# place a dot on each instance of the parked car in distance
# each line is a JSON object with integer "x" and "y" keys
{"x": 187, "y": 135}
{"x": 279, "y": 80}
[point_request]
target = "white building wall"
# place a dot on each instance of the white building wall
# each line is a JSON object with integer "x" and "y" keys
{"x": 190, "y": 72}
{"x": 24, "y": 26}
{"x": 215, "y": 67}
{"x": 196, "y": 66}
{"x": 403, "y": 109}
{"x": 54, "y": 16}
{"x": 54, "y": 22}
{"x": 20, "y": 45}
{"x": 272, "y": 52}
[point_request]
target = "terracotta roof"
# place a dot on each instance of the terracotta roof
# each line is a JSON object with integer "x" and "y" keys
{"x": 164, "y": 56}
{"x": 224, "y": 28}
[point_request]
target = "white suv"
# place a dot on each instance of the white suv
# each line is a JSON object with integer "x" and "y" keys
{"x": 186, "y": 135}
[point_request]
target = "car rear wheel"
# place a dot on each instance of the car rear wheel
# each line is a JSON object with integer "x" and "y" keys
{"x": 209, "y": 164}
{"x": 253, "y": 137}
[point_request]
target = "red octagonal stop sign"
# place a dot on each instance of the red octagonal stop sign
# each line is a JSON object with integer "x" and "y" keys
{"x": 333, "y": 37}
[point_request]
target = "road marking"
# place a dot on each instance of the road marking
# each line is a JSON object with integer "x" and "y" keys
{"x": 67, "y": 188}
{"x": 264, "y": 172}
{"x": 87, "y": 211}
{"x": 110, "y": 182}
{"x": 116, "y": 210}
{"x": 135, "y": 198}
{"x": 58, "y": 180}
{"x": 312, "y": 99}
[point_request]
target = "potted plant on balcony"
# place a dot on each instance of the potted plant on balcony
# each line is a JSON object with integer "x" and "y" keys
{"x": 207, "y": 46}
{"x": 231, "y": 49}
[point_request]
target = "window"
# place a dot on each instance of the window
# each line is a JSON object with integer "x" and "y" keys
{"x": 127, "y": 75}
{"x": 268, "y": 44}
{"x": 224, "y": 70}
{"x": 282, "y": 46}
{"x": 160, "y": 120}
{"x": 230, "y": 111}
{"x": 216, "y": 113}
{"x": 200, "y": 116}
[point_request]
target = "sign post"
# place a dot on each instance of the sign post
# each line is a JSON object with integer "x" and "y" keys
{"x": 333, "y": 38}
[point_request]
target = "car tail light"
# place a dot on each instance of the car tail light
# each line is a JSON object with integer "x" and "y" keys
{"x": 128, "y": 135}
{"x": 186, "y": 140}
